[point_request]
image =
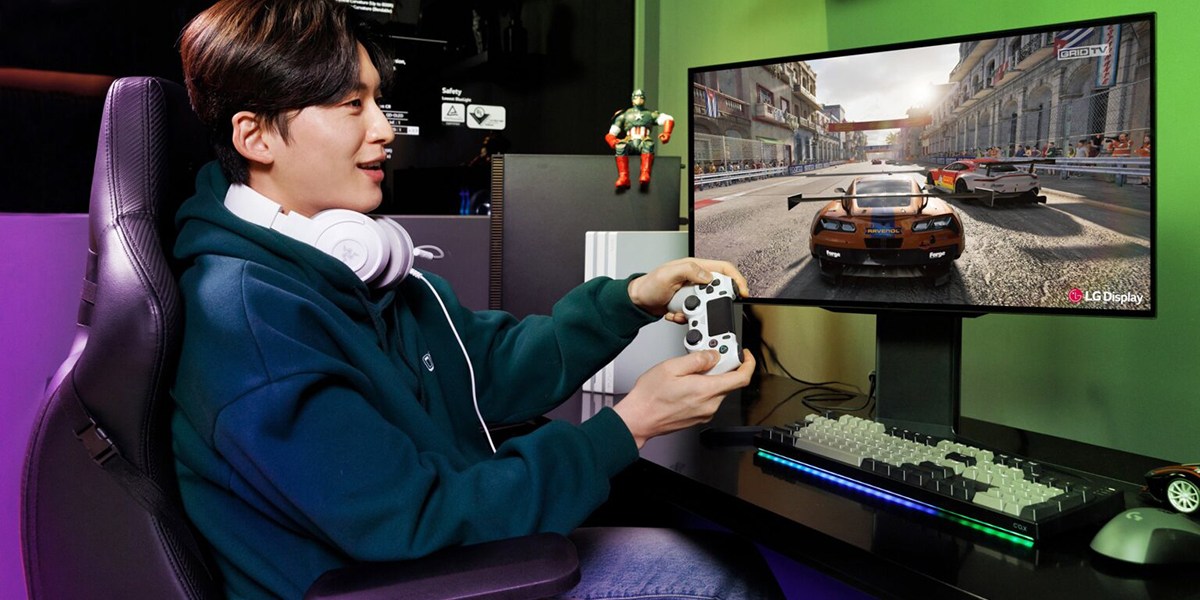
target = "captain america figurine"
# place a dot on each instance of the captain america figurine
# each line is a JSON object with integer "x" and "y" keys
{"x": 632, "y": 133}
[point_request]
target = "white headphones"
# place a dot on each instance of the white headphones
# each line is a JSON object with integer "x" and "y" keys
{"x": 378, "y": 249}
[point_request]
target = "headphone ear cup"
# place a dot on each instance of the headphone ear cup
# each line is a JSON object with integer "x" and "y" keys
{"x": 402, "y": 253}
{"x": 353, "y": 238}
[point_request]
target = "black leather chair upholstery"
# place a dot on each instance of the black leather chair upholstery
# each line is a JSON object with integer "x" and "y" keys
{"x": 83, "y": 533}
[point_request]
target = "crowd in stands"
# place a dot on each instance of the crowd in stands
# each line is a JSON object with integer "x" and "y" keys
{"x": 1098, "y": 145}
{"x": 710, "y": 167}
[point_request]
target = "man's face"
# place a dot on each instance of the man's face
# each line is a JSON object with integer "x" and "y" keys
{"x": 639, "y": 101}
{"x": 334, "y": 155}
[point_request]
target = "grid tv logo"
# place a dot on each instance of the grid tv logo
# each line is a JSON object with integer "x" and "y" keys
{"x": 1083, "y": 52}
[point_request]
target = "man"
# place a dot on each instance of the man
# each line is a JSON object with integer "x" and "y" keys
{"x": 329, "y": 413}
{"x": 1053, "y": 151}
{"x": 1121, "y": 148}
{"x": 1143, "y": 151}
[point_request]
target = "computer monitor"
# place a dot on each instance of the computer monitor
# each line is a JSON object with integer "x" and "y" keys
{"x": 1000, "y": 172}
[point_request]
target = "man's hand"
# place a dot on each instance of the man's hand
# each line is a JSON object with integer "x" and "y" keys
{"x": 675, "y": 394}
{"x": 651, "y": 292}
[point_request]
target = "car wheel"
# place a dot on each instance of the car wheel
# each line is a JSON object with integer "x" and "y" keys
{"x": 960, "y": 187}
{"x": 929, "y": 179}
{"x": 1183, "y": 495}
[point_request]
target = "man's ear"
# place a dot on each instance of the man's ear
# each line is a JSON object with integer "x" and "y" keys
{"x": 251, "y": 139}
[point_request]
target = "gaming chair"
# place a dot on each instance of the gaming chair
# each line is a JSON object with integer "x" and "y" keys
{"x": 100, "y": 512}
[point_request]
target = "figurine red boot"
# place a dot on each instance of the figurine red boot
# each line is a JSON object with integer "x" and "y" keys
{"x": 622, "y": 172}
{"x": 647, "y": 162}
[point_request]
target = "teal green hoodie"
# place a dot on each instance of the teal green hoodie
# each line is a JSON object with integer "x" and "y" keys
{"x": 320, "y": 423}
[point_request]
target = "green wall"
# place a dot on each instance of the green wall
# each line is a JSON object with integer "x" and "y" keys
{"x": 1124, "y": 383}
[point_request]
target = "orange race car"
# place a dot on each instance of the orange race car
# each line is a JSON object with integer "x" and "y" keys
{"x": 885, "y": 225}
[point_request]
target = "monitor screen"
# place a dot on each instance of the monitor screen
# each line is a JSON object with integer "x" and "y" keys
{"x": 1005, "y": 171}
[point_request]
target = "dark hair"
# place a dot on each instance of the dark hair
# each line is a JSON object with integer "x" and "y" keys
{"x": 270, "y": 57}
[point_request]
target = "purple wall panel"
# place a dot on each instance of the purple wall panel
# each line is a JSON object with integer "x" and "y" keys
{"x": 42, "y": 259}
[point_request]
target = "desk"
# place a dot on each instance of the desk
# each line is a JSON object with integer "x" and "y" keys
{"x": 889, "y": 551}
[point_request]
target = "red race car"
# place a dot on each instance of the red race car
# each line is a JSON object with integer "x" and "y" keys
{"x": 988, "y": 179}
{"x": 1175, "y": 485}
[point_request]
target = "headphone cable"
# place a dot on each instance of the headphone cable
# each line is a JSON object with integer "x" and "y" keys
{"x": 470, "y": 368}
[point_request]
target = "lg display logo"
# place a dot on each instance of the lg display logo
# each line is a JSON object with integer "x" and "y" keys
{"x": 1077, "y": 295}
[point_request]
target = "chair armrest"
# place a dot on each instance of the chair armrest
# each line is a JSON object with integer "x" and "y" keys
{"x": 532, "y": 566}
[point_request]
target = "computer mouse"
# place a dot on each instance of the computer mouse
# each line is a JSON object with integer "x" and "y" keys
{"x": 1150, "y": 536}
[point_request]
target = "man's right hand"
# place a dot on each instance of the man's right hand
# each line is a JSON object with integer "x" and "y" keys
{"x": 675, "y": 394}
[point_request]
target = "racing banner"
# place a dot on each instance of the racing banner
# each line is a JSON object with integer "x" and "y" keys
{"x": 888, "y": 124}
{"x": 1106, "y": 66}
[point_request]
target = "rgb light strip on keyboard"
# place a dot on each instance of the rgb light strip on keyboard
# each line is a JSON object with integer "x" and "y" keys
{"x": 897, "y": 499}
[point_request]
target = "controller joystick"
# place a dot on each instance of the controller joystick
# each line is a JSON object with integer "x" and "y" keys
{"x": 709, "y": 311}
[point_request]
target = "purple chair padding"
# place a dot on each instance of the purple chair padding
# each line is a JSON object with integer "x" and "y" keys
{"x": 81, "y": 533}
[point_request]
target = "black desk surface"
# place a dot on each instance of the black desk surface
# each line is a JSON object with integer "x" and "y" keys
{"x": 883, "y": 549}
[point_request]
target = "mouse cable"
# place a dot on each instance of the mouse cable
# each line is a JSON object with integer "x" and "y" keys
{"x": 821, "y": 391}
{"x": 843, "y": 396}
{"x": 775, "y": 359}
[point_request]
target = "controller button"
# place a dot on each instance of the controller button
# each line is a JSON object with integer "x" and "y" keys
{"x": 723, "y": 349}
{"x": 693, "y": 337}
{"x": 691, "y": 302}
{"x": 712, "y": 343}
{"x": 709, "y": 289}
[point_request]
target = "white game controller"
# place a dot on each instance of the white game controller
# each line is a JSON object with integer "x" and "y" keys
{"x": 709, "y": 310}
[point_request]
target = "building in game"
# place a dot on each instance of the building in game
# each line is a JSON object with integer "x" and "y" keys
{"x": 1028, "y": 90}
{"x": 762, "y": 114}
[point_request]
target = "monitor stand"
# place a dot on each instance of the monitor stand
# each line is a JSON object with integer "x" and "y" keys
{"x": 917, "y": 360}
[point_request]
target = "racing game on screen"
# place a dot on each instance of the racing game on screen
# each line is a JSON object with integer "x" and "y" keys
{"x": 1007, "y": 172}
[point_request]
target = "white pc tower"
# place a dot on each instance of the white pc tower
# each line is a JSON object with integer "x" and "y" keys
{"x": 619, "y": 254}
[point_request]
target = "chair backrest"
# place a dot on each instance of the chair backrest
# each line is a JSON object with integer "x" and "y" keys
{"x": 82, "y": 534}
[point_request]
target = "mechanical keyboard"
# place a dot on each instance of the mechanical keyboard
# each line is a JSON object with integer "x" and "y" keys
{"x": 1000, "y": 493}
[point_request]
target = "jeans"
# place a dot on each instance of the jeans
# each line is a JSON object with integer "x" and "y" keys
{"x": 619, "y": 563}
